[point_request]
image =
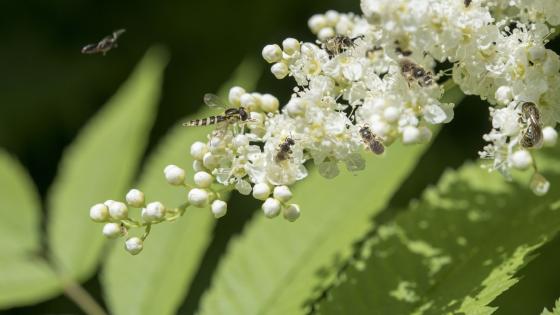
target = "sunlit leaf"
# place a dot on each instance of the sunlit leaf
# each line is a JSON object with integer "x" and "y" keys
{"x": 555, "y": 310}
{"x": 155, "y": 281}
{"x": 100, "y": 165}
{"x": 453, "y": 252}
{"x": 24, "y": 276}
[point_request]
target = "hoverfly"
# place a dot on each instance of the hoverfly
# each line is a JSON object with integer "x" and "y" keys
{"x": 340, "y": 43}
{"x": 284, "y": 150}
{"x": 531, "y": 135}
{"x": 372, "y": 141}
{"x": 106, "y": 44}
{"x": 230, "y": 116}
{"x": 413, "y": 72}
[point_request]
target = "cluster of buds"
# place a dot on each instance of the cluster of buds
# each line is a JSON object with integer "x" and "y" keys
{"x": 367, "y": 82}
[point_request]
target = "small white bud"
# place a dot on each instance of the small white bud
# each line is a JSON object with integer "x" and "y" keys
{"x": 504, "y": 95}
{"x": 391, "y": 114}
{"x": 198, "y": 165}
{"x": 174, "y": 175}
{"x": 154, "y": 211}
{"x": 290, "y": 45}
{"x": 249, "y": 101}
{"x": 271, "y": 207}
{"x": 243, "y": 187}
{"x": 99, "y": 213}
{"x": 411, "y": 135}
{"x": 332, "y": 16}
{"x": 257, "y": 118}
{"x": 282, "y": 193}
{"x": 269, "y": 103}
{"x": 109, "y": 202}
{"x": 537, "y": 53}
{"x": 209, "y": 161}
{"x": 198, "y": 197}
{"x": 216, "y": 144}
{"x": 521, "y": 160}
{"x": 261, "y": 191}
{"x": 425, "y": 134}
{"x": 219, "y": 208}
{"x": 203, "y": 179}
{"x": 198, "y": 149}
{"x": 118, "y": 210}
{"x": 316, "y": 23}
{"x": 295, "y": 107}
{"x": 325, "y": 33}
{"x": 272, "y": 53}
{"x": 234, "y": 96}
{"x": 112, "y": 230}
{"x": 135, "y": 198}
{"x": 539, "y": 184}
{"x": 134, "y": 245}
{"x": 280, "y": 70}
{"x": 291, "y": 212}
{"x": 240, "y": 141}
{"x": 550, "y": 136}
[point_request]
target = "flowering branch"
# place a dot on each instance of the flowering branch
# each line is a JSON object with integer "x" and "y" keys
{"x": 368, "y": 82}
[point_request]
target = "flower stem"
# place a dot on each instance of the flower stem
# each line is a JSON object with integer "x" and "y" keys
{"x": 81, "y": 297}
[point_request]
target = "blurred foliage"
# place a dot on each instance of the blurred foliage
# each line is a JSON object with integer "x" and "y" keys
{"x": 49, "y": 91}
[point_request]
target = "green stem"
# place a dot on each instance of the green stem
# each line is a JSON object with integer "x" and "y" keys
{"x": 81, "y": 297}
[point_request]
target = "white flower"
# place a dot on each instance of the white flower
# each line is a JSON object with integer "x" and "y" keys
{"x": 118, "y": 210}
{"x": 134, "y": 245}
{"x": 261, "y": 191}
{"x": 219, "y": 208}
{"x": 112, "y": 230}
{"x": 203, "y": 179}
{"x": 269, "y": 103}
{"x": 291, "y": 212}
{"x": 271, "y": 207}
{"x": 135, "y": 198}
{"x": 99, "y": 213}
{"x": 198, "y": 197}
{"x": 174, "y": 175}
{"x": 154, "y": 211}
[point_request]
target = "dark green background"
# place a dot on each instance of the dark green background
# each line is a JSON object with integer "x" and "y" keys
{"x": 48, "y": 90}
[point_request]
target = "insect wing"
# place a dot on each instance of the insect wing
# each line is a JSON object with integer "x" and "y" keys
{"x": 214, "y": 101}
{"x": 90, "y": 49}
{"x": 118, "y": 33}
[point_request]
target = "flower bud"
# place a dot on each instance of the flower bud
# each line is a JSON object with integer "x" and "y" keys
{"x": 550, "y": 136}
{"x": 118, "y": 210}
{"x": 154, "y": 211}
{"x": 521, "y": 160}
{"x": 261, "y": 191}
{"x": 198, "y": 165}
{"x": 198, "y": 149}
{"x": 135, "y": 198}
{"x": 219, "y": 208}
{"x": 282, "y": 193}
{"x": 504, "y": 95}
{"x": 269, "y": 103}
{"x": 411, "y": 135}
{"x": 290, "y": 46}
{"x": 291, "y": 212}
{"x": 234, "y": 96}
{"x": 316, "y": 23}
{"x": 99, "y": 213}
{"x": 198, "y": 197}
{"x": 134, "y": 245}
{"x": 240, "y": 141}
{"x": 174, "y": 175}
{"x": 112, "y": 230}
{"x": 539, "y": 184}
{"x": 209, "y": 161}
{"x": 271, "y": 207}
{"x": 325, "y": 33}
{"x": 272, "y": 53}
{"x": 203, "y": 179}
{"x": 279, "y": 70}
{"x": 249, "y": 101}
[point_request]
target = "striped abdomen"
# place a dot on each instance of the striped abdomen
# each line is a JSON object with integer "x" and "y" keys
{"x": 205, "y": 121}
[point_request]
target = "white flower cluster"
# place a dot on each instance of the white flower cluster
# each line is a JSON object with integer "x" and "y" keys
{"x": 367, "y": 82}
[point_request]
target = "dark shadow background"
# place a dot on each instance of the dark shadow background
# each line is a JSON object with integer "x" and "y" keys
{"x": 48, "y": 89}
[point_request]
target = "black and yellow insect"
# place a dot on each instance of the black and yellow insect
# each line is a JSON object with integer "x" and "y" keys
{"x": 373, "y": 142}
{"x": 231, "y": 115}
{"x": 103, "y": 46}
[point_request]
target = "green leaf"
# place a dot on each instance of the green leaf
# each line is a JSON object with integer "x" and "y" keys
{"x": 555, "y": 311}
{"x": 155, "y": 281}
{"x": 25, "y": 277}
{"x": 100, "y": 165}
{"x": 453, "y": 252}
{"x": 276, "y": 267}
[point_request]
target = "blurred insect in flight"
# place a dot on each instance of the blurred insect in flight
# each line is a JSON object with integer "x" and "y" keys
{"x": 106, "y": 44}
{"x": 531, "y": 135}
{"x": 415, "y": 73}
{"x": 372, "y": 141}
{"x": 284, "y": 150}
{"x": 340, "y": 43}
{"x": 230, "y": 116}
